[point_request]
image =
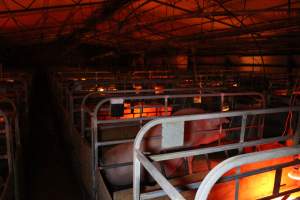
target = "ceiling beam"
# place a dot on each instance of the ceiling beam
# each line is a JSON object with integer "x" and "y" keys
{"x": 51, "y": 8}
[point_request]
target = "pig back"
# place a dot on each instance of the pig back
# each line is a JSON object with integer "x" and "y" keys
{"x": 123, "y": 153}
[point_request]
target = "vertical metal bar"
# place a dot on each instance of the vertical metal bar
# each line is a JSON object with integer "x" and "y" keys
{"x": 195, "y": 66}
{"x": 259, "y": 126}
{"x": 82, "y": 117}
{"x": 136, "y": 176}
{"x": 289, "y": 7}
{"x": 26, "y": 98}
{"x": 8, "y": 143}
{"x": 243, "y": 131}
{"x": 277, "y": 183}
{"x": 94, "y": 153}
{"x": 141, "y": 109}
{"x": 222, "y": 101}
{"x": 66, "y": 95}
{"x": 71, "y": 108}
{"x": 221, "y": 126}
{"x": 18, "y": 151}
{"x": 297, "y": 132}
{"x": 208, "y": 162}
{"x": 9, "y": 148}
{"x": 237, "y": 184}
{"x": 17, "y": 131}
{"x": 166, "y": 106}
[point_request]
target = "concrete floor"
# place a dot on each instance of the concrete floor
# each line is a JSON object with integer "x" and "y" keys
{"x": 49, "y": 173}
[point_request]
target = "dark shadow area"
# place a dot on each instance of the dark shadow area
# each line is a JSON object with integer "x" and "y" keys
{"x": 49, "y": 172}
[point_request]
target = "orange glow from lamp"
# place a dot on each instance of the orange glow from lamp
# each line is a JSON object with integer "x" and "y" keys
{"x": 100, "y": 89}
{"x": 158, "y": 89}
{"x": 235, "y": 85}
{"x": 112, "y": 88}
{"x": 295, "y": 173}
{"x": 281, "y": 92}
{"x": 137, "y": 88}
{"x": 198, "y": 100}
{"x": 225, "y": 107}
{"x": 83, "y": 79}
{"x": 10, "y": 80}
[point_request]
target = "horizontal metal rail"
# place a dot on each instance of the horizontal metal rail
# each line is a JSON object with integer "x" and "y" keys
{"x": 74, "y": 95}
{"x": 95, "y": 122}
{"x": 217, "y": 172}
{"x": 141, "y": 160}
{"x": 195, "y": 185}
{"x": 127, "y": 92}
{"x": 208, "y": 150}
{"x": 96, "y": 109}
{"x": 224, "y": 130}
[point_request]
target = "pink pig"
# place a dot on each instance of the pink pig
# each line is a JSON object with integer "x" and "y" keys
{"x": 123, "y": 153}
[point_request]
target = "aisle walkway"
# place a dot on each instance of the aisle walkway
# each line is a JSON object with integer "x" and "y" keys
{"x": 49, "y": 169}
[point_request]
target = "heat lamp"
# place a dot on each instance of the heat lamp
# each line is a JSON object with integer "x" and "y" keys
{"x": 10, "y": 80}
{"x": 225, "y": 107}
{"x": 158, "y": 89}
{"x": 295, "y": 173}
{"x": 235, "y": 84}
{"x": 137, "y": 87}
{"x": 100, "y": 89}
{"x": 198, "y": 100}
{"x": 112, "y": 87}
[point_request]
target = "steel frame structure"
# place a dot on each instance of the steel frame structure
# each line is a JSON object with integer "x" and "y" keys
{"x": 149, "y": 25}
{"x": 118, "y": 94}
{"x": 237, "y": 161}
{"x": 91, "y": 113}
{"x": 7, "y": 156}
{"x": 11, "y": 132}
{"x": 95, "y": 122}
{"x": 140, "y": 159}
{"x": 14, "y": 102}
{"x": 59, "y": 86}
{"x": 18, "y": 84}
{"x": 76, "y": 86}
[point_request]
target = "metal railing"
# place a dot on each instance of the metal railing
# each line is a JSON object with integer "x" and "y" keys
{"x": 14, "y": 105}
{"x": 140, "y": 159}
{"x": 95, "y": 122}
{"x": 8, "y": 155}
{"x": 237, "y": 161}
{"x": 18, "y": 88}
{"x": 120, "y": 94}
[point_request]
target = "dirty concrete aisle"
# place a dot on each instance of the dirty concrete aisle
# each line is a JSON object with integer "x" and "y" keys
{"x": 49, "y": 173}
